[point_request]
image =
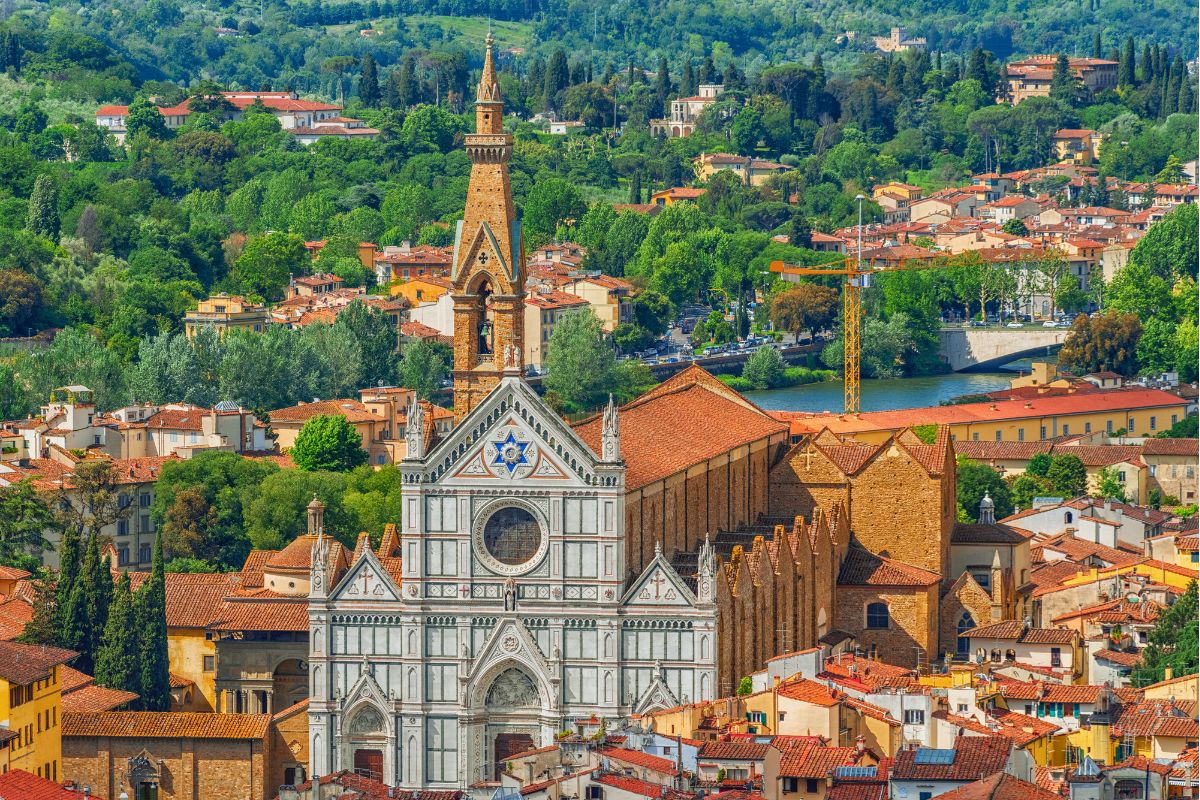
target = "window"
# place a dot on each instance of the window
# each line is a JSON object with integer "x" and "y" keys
{"x": 810, "y": 785}
{"x": 1056, "y": 656}
{"x": 1043, "y": 431}
{"x": 1108, "y": 426}
{"x": 997, "y": 436}
{"x": 1153, "y": 423}
{"x": 144, "y": 499}
{"x": 210, "y": 663}
{"x": 877, "y": 616}
{"x": 1087, "y": 427}
{"x": 975, "y": 436}
{"x": 1054, "y": 710}
{"x": 789, "y": 785}
{"x": 441, "y": 750}
{"x": 441, "y": 640}
{"x": 123, "y": 556}
{"x": 1020, "y": 434}
{"x": 914, "y": 716}
{"x": 144, "y": 552}
{"x": 122, "y": 527}
{"x": 1066, "y": 429}
{"x": 1121, "y": 476}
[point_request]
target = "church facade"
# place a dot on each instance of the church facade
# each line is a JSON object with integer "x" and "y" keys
{"x": 506, "y": 605}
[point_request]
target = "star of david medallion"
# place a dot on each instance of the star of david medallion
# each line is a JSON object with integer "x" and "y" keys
{"x": 510, "y": 453}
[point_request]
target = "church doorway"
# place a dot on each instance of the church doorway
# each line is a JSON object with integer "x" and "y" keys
{"x": 508, "y": 745}
{"x": 369, "y": 763}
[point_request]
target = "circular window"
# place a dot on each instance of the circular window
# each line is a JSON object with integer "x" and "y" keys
{"x": 512, "y": 535}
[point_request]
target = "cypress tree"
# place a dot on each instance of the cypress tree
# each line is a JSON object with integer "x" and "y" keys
{"x": 609, "y": 74}
{"x": 43, "y": 208}
{"x": 662, "y": 86}
{"x": 708, "y": 71}
{"x": 368, "y": 83}
{"x": 1126, "y": 74}
{"x": 1062, "y": 84}
{"x": 117, "y": 658}
{"x": 687, "y": 84}
{"x": 68, "y": 573}
{"x": 1146, "y": 66}
{"x": 800, "y": 233}
{"x": 1187, "y": 97}
{"x": 155, "y": 679}
{"x": 635, "y": 188}
{"x": 1097, "y": 46}
{"x": 78, "y": 615}
{"x": 557, "y": 77}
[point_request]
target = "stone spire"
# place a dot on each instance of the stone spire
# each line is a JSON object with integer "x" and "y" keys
{"x": 489, "y": 84}
{"x": 318, "y": 577}
{"x": 706, "y": 572}
{"x": 414, "y": 430}
{"x": 610, "y": 436}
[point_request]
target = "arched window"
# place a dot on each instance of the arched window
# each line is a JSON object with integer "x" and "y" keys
{"x": 996, "y": 655}
{"x": 877, "y": 616}
{"x": 965, "y": 623}
{"x": 1068, "y": 517}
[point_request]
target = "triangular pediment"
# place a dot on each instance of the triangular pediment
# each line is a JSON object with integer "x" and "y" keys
{"x": 366, "y": 580}
{"x": 513, "y": 436}
{"x": 659, "y": 585}
{"x": 658, "y": 696}
{"x": 510, "y": 645}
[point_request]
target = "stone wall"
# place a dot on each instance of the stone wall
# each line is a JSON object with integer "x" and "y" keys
{"x": 914, "y": 622}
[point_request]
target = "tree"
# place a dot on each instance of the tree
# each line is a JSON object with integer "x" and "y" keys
{"x": 1171, "y": 247}
{"x": 1015, "y": 227}
{"x": 549, "y": 203}
{"x": 975, "y": 480}
{"x": 558, "y": 77}
{"x": 43, "y": 208}
{"x": 368, "y": 82}
{"x": 24, "y": 516}
{"x": 422, "y": 369}
{"x": 1067, "y": 476}
{"x": 747, "y": 130}
{"x": 376, "y": 338}
{"x": 635, "y": 191}
{"x": 118, "y": 659}
{"x": 1039, "y": 465}
{"x": 1024, "y": 488}
{"x": 20, "y": 301}
{"x": 764, "y": 368}
{"x": 579, "y": 362}
{"x": 86, "y": 611}
{"x": 800, "y": 231}
{"x": 94, "y": 501}
{"x": 745, "y": 686}
{"x": 268, "y": 261}
{"x": 809, "y": 306}
{"x": 330, "y": 443}
{"x": 338, "y": 65}
{"x": 1063, "y": 85}
{"x": 1109, "y": 485}
{"x": 151, "y": 604}
{"x": 1102, "y": 342}
{"x": 1173, "y": 642}
{"x": 653, "y": 311}
{"x": 144, "y": 119}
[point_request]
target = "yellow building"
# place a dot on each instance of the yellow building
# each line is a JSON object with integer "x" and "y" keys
{"x": 752, "y": 171}
{"x": 675, "y": 195}
{"x": 1041, "y": 373}
{"x": 905, "y": 190}
{"x": 1077, "y": 145}
{"x": 31, "y": 706}
{"x": 1184, "y": 688}
{"x": 225, "y": 312}
{"x": 1139, "y": 412}
{"x": 419, "y": 291}
{"x": 193, "y": 600}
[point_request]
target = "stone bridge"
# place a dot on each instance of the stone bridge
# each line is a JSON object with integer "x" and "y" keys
{"x": 989, "y": 348}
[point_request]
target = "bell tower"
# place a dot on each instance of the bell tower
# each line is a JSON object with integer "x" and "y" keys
{"x": 488, "y": 278}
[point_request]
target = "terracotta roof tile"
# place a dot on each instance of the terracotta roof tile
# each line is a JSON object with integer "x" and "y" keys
{"x": 18, "y": 783}
{"x": 639, "y": 759}
{"x": 1000, "y": 786}
{"x": 643, "y": 788}
{"x": 15, "y": 614}
{"x": 94, "y": 699}
{"x": 808, "y": 691}
{"x": 194, "y": 599}
{"x": 687, "y": 419}
{"x": 289, "y": 614}
{"x": 863, "y": 568}
{"x": 26, "y": 663}
{"x": 857, "y": 791}
{"x": 166, "y": 725}
{"x": 983, "y": 533}
{"x": 811, "y": 761}
{"x": 1119, "y": 657}
{"x": 1155, "y": 718}
{"x": 1050, "y": 692}
{"x": 352, "y": 410}
{"x": 975, "y": 757}
{"x": 1171, "y": 447}
{"x": 734, "y": 751}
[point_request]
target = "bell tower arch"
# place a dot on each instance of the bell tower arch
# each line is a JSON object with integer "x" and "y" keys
{"x": 488, "y": 281}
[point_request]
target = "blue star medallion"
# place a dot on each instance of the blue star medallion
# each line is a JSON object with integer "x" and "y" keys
{"x": 510, "y": 453}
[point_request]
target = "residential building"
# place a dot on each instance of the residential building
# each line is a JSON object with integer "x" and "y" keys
{"x": 752, "y": 171}
{"x": 31, "y": 707}
{"x": 898, "y": 41}
{"x": 926, "y": 772}
{"x": 333, "y": 128}
{"x": 611, "y": 299}
{"x": 943, "y": 206}
{"x": 1057, "y": 649}
{"x": 685, "y": 111}
{"x": 1077, "y": 145}
{"x": 1009, "y": 207}
{"x": 226, "y": 312}
{"x": 565, "y": 127}
{"x": 314, "y": 285}
{"x": 1172, "y": 465}
{"x": 405, "y": 262}
{"x": 666, "y": 197}
{"x": 378, "y": 416}
{"x": 1031, "y": 77}
{"x": 421, "y": 290}
{"x": 543, "y": 310}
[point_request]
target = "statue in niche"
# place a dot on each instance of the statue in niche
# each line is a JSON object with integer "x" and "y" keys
{"x": 512, "y": 689}
{"x": 510, "y": 595}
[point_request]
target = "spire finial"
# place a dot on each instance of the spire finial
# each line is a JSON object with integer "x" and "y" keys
{"x": 489, "y": 84}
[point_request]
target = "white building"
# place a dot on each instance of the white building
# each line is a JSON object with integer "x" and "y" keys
{"x": 685, "y": 112}
{"x": 514, "y": 613}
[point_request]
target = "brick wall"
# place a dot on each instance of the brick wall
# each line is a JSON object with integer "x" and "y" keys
{"x": 913, "y": 614}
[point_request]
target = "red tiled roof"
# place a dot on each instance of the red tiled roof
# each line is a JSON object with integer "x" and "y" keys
{"x": 1119, "y": 657}
{"x": 1155, "y": 718}
{"x": 25, "y": 663}
{"x": 1171, "y": 447}
{"x": 975, "y": 757}
{"x": 1050, "y": 692}
{"x": 857, "y": 791}
{"x": 640, "y": 759}
{"x": 734, "y": 751}
{"x": 194, "y": 600}
{"x": 814, "y": 761}
{"x": 1000, "y": 786}
{"x": 94, "y": 699}
{"x": 15, "y": 614}
{"x": 808, "y": 691}
{"x": 166, "y": 725}
{"x": 644, "y": 788}
{"x": 351, "y": 409}
{"x": 685, "y": 420}
{"x": 276, "y": 614}
{"x": 863, "y": 568}
{"x": 18, "y": 783}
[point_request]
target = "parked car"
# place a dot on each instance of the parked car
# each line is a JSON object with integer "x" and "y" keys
{"x": 1014, "y": 325}
{"x": 1049, "y": 324}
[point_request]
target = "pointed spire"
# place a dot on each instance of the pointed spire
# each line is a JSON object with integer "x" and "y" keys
{"x": 610, "y": 436}
{"x": 489, "y": 84}
{"x": 414, "y": 430}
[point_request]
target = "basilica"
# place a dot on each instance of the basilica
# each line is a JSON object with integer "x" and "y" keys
{"x": 506, "y": 604}
{"x": 545, "y": 573}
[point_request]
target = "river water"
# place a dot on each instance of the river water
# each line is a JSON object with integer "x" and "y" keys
{"x": 883, "y": 395}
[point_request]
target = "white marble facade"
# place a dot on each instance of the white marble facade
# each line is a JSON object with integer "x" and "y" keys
{"x": 515, "y": 613}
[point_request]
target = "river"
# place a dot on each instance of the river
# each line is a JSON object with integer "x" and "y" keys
{"x": 883, "y": 395}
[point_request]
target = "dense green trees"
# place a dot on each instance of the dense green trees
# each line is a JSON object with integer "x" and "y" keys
{"x": 974, "y": 480}
{"x": 328, "y": 443}
{"x": 1172, "y": 642}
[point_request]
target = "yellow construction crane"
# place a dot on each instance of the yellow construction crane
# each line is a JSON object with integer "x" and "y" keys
{"x": 857, "y": 279}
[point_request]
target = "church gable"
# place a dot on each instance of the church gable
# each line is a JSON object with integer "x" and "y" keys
{"x": 366, "y": 580}
{"x": 513, "y": 436}
{"x": 483, "y": 255}
{"x": 659, "y": 585}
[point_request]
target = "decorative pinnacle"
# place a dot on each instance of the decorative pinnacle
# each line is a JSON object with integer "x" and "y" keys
{"x": 489, "y": 84}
